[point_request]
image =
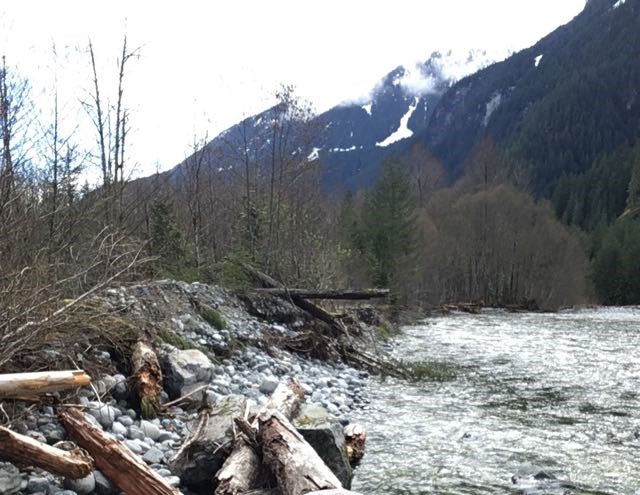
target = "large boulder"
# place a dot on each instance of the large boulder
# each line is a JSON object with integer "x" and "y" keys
{"x": 198, "y": 464}
{"x": 326, "y": 435}
{"x": 184, "y": 369}
{"x": 10, "y": 479}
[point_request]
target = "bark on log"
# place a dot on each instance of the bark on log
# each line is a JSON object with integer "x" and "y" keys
{"x": 117, "y": 462}
{"x": 29, "y": 385}
{"x": 314, "y": 310}
{"x": 335, "y": 294}
{"x": 24, "y": 451}
{"x": 241, "y": 471}
{"x": 355, "y": 437}
{"x": 147, "y": 379}
{"x": 295, "y": 464}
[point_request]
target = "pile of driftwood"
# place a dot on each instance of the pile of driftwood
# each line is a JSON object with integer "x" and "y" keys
{"x": 349, "y": 349}
{"x": 266, "y": 445}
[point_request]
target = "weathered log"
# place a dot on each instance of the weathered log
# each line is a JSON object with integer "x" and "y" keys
{"x": 264, "y": 279}
{"x": 355, "y": 436}
{"x": 296, "y": 466}
{"x": 335, "y": 294}
{"x": 316, "y": 311}
{"x": 24, "y": 451}
{"x": 118, "y": 463}
{"x": 241, "y": 471}
{"x": 29, "y": 385}
{"x": 147, "y": 378}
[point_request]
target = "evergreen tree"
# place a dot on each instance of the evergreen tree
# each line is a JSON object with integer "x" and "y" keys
{"x": 166, "y": 241}
{"x": 616, "y": 266}
{"x": 389, "y": 223}
{"x": 633, "y": 198}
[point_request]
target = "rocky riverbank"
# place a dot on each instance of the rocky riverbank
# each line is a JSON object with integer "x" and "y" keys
{"x": 217, "y": 349}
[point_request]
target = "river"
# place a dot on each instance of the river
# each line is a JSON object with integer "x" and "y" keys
{"x": 522, "y": 404}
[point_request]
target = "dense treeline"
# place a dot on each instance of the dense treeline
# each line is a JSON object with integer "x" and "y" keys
{"x": 482, "y": 240}
{"x": 616, "y": 270}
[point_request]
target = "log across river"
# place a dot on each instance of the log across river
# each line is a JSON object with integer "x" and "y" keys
{"x": 522, "y": 404}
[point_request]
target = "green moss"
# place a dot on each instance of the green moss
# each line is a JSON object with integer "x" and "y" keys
{"x": 147, "y": 408}
{"x": 384, "y": 331}
{"x": 212, "y": 317}
{"x": 172, "y": 338}
{"x": 169, "y": 337}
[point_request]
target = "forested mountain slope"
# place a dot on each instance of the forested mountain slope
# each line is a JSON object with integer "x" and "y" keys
{"x": 557, "y": 108}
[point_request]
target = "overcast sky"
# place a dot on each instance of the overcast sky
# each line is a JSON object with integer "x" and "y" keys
{"x": 204, "y": 65}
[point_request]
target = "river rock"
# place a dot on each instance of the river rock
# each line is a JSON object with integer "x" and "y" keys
{"x": 326, "y": 435}
{"x": 10, "y": 479}
{"x": 204, "y": 457}
{"x": 103, "y": 485}
{"x": 38, "y": 484}
{"x": 150, "y": 430}
{"x": 268, "y": 385}
{"x": 105, "y": 414}
{"x": 153, "y": 456}
{"x": 184, "y": 368}
{"x": 81, "y": 486}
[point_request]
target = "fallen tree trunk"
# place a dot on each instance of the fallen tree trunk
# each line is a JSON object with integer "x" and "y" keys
{"x": 117, "y": 462}
{"x": 147, "y": 379}
{"x": 355, "y": 437}
{"x": 241, "y": 471}
{"x": 335, "y": 294}
{"x": 314, "y": 310}
{"x": 24, "y": 451}
{"x": 296, "y": 466}
{"x": 30, "y": 385}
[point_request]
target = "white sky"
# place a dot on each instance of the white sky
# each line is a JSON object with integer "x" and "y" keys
{"x": 205, "y": 65}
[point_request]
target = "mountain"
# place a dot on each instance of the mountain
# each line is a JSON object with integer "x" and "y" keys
{"x": 358, "y": 136}
{"x": 353, "y": 138}
{"x": 558, "y": 108}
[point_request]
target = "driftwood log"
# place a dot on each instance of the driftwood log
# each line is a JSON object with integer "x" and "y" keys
{"x": 313, "y": 309}
{"x": 146, "y": 378}
{"x": 335, "y": 294}
{"x": 117, "y": 462}
{"x": 355, "y": 437}
{"x": 30, "y": 385}
{"x": 25, "y": 451}
{"x": 296, "y": 466}
{"x": 241, "y": 471}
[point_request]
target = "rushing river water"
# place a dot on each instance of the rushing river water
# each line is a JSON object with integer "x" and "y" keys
{"x": 535, "y": 404}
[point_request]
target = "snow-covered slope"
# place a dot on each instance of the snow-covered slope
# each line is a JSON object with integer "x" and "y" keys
{"x": 354, "y": 138}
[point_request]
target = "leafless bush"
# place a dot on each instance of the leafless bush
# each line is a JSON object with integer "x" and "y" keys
{"x": 34, "y": 307}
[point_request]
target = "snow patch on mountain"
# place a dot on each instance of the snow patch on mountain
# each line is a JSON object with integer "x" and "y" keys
{"x": 315, "y": 153}
{"x": 343, "y": 150}
{"x": 425, "y": 77}
{"x": 618, "y": 3}
{"x": 403, "y": 130}
{"x": 492, "y": 106}
{"x": 415, "y": 82}
{"x": 537, "y": 60}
